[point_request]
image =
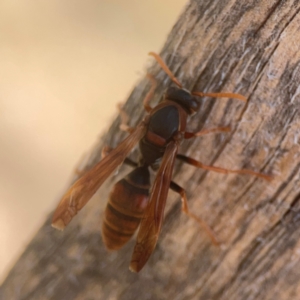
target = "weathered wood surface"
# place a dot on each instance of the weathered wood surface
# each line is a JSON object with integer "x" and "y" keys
{"x": 250, "y": 47}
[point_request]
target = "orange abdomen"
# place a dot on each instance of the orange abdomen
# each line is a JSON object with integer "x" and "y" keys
{"x": 125, "y": 208}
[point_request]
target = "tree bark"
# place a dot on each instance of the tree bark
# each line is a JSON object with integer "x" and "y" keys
{"x": 249, "y": 47}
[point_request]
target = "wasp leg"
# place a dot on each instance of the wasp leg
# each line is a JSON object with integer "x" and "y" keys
{"x": 217, "y": 95}
{"x": 105, "y": 150}
{"x": 178, "y": 189}
{"x": 124, "y": 119}
{"x": 149, "y": 95}
{"x": 198, "y": 164}
{"x": 189, "y": 135}
{"x": 124, "y": 116}
{"x": 79, "y": 172}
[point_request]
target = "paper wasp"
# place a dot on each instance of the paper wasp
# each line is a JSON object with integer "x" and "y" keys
{"x": 134, "y": 202}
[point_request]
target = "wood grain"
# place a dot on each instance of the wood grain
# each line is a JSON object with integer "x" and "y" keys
{"x": 249, "y": 47}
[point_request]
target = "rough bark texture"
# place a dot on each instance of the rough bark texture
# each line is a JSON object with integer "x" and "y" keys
{"x": 251, "y": 47}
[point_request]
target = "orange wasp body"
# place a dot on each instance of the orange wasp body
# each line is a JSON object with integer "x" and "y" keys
{"x": 133, "y": 202}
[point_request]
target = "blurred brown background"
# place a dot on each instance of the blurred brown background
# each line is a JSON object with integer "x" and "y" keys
{"x": 63, "y": 67}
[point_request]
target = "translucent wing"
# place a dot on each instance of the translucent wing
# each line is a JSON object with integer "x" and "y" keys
{"x": 86, "y": 186}
{"x": 152, "y": 220}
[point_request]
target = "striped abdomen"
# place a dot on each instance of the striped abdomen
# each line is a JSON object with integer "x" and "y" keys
{"x": 125, "y": 208}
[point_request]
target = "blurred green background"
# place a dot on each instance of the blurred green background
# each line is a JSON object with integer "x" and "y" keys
{"x": 63, "y": 67}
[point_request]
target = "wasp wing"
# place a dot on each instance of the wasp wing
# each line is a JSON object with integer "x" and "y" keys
{"x": 86, "y": 186}
{"x": 153, "y": 217}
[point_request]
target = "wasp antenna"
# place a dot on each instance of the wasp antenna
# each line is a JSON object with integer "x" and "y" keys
{"x": 165, "y": 68}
